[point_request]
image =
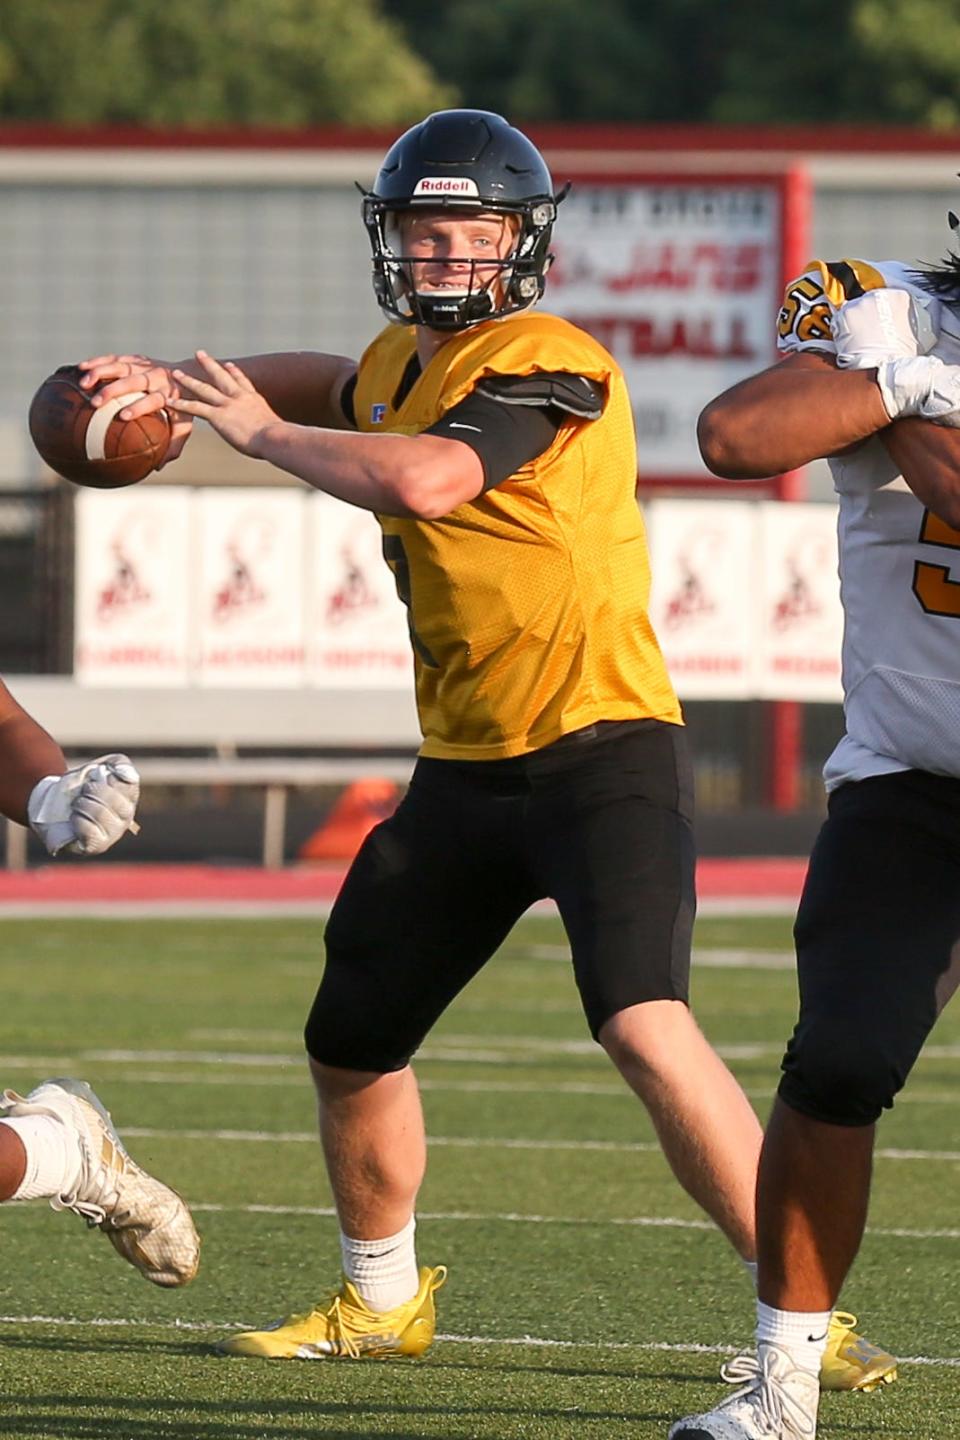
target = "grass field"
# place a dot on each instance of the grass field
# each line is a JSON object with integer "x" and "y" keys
{"x": 587, "y": 1297}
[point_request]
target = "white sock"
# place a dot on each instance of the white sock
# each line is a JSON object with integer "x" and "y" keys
{"x": 53, "y": 1157}
{"x": 384, "y": 1271}
{"x": 751, "y": 1268}
{"x": 802, "y": 1333}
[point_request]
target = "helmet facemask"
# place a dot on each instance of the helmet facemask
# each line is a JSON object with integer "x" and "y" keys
{"x": 493, "y": 288}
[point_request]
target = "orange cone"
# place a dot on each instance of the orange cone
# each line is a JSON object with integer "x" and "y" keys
{"x": 363, "y": 804}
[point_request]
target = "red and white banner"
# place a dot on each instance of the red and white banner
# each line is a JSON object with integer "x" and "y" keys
{"x": 282, "y": 587}
{"x": 132, "y": 596}
{"x": 681, "y": 279}
{"x": 801, "y": 617}
{"x": 249, "y": 611}
{"x": 704, "y": 594}
{"x": 358, "y": 635}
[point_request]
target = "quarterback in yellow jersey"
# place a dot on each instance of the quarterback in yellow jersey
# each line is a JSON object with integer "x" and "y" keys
{"x": 495, "y": 445}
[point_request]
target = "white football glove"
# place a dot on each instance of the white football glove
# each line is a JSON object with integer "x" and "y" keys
{"x": 881, "y": 325}
{"x": 921, "y": 385}
{"x": 86, "y": 810}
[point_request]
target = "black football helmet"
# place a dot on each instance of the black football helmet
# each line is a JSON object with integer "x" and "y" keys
{"x": 461, "y": 160}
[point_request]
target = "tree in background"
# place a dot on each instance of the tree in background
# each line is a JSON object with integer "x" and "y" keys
{"x": 869, "y": 62}
{"x": 292, "y": 64}
{"x": 912, "y": 48}
{"x": 570, "y": 59}
{"x": 204, "y": 64}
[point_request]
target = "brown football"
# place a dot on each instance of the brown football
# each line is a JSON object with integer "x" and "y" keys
{"x": 91, "y": 445}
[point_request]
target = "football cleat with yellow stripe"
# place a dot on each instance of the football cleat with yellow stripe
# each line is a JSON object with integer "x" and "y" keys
{"x": 343, "y": 1328}
{"x": 852, "y": 1363}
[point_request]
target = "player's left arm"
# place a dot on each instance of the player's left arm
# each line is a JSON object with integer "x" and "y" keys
{"x": 928, "y": 457}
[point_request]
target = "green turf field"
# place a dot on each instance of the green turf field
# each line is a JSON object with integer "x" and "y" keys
{"x": 586, "y": 1297}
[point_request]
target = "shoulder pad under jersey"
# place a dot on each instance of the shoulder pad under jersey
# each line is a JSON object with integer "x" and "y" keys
{"x": 574, "y": 393}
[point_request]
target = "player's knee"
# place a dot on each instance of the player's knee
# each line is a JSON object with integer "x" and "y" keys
{"x": 348, "y": 1029}
{"x": 649, "y": 1041}
{"x": 334, "y": 1082}
{"x": 840, "y": 1072}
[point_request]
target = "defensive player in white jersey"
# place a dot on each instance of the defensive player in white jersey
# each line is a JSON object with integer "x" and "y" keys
{"x": 871, "y": 381}
{"x": 58, "y": 1143}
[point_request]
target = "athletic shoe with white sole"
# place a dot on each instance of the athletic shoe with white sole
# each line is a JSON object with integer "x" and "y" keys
{"x": 145, "y": 1221}
{"x": 778, "y": 1402}
{"x": 850, "y": 1362}
{"x": 343, "y": 1328}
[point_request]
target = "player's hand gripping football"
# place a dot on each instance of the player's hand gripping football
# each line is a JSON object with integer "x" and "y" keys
{"x": 86, "y": 810}
{"x": 110, "y": 376}
{"x": 228, "y": 401}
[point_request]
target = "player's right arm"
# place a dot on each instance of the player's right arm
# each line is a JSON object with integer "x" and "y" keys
{"x": 857, "y": 358}
{"x": 304, "y": 387}
{"x": 801, "y": 409}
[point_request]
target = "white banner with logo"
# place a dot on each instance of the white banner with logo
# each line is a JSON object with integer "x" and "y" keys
{"x": 704, "y": 594}
{"x": 358, "y": 635}
{"x": 250, "y": 587}
{"x": 681, "y": 280}
{"x": 132, "y": 597}
{"x": 281, "y": 587}
{"x": 798, "y": 655}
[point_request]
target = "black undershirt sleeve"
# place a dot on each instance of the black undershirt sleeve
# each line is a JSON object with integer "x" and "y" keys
{"x": 505, "y": 437}
{"x": 346, "y": 400}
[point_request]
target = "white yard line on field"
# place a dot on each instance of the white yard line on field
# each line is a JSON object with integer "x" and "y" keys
{"x": 43, "y": 1065}
{"x": 97, "y": 1322}
{"x": 711, "y": 959}
{"x": 513, "y": 1217}
{"x": 462, "y": 1049}
{"x": 470, "y": 1142}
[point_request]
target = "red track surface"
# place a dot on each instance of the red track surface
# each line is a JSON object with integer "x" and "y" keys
{"x": 766, "y": 879}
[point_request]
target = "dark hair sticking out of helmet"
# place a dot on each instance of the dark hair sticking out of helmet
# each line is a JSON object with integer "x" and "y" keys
{"x": 943, "y": 279}
{"x": 466, "y": 162}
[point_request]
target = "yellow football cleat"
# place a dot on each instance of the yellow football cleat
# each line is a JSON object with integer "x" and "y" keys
{"x": 852, "y": 1363}
{"x": 344, "y": 1328}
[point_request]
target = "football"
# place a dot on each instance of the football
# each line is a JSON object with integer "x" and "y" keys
{"x": 92, "y": 445}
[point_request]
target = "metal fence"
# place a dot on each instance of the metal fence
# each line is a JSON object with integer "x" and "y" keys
{"x": 36, "y": 581}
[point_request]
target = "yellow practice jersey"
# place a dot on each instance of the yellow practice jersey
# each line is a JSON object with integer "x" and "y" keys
{"x": 527, "y": 605}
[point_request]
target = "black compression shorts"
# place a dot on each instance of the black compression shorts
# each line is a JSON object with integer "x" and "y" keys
{"x": 601, "y": 821}
{"x": 876, "y": 933}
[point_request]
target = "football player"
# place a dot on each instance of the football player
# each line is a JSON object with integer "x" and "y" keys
{"x": 58, "y": 1142}
{"x": 495, "y": 444}
{"x": 870, "y": 379}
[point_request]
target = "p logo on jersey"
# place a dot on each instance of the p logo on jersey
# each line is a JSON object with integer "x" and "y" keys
{"x": 377, "y": 412}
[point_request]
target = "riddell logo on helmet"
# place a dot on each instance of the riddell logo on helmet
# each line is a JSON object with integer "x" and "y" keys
{"x": 446, "y": 185}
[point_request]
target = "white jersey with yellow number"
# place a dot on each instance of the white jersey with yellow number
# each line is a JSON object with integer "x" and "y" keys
{"x": 899, "y": 565}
